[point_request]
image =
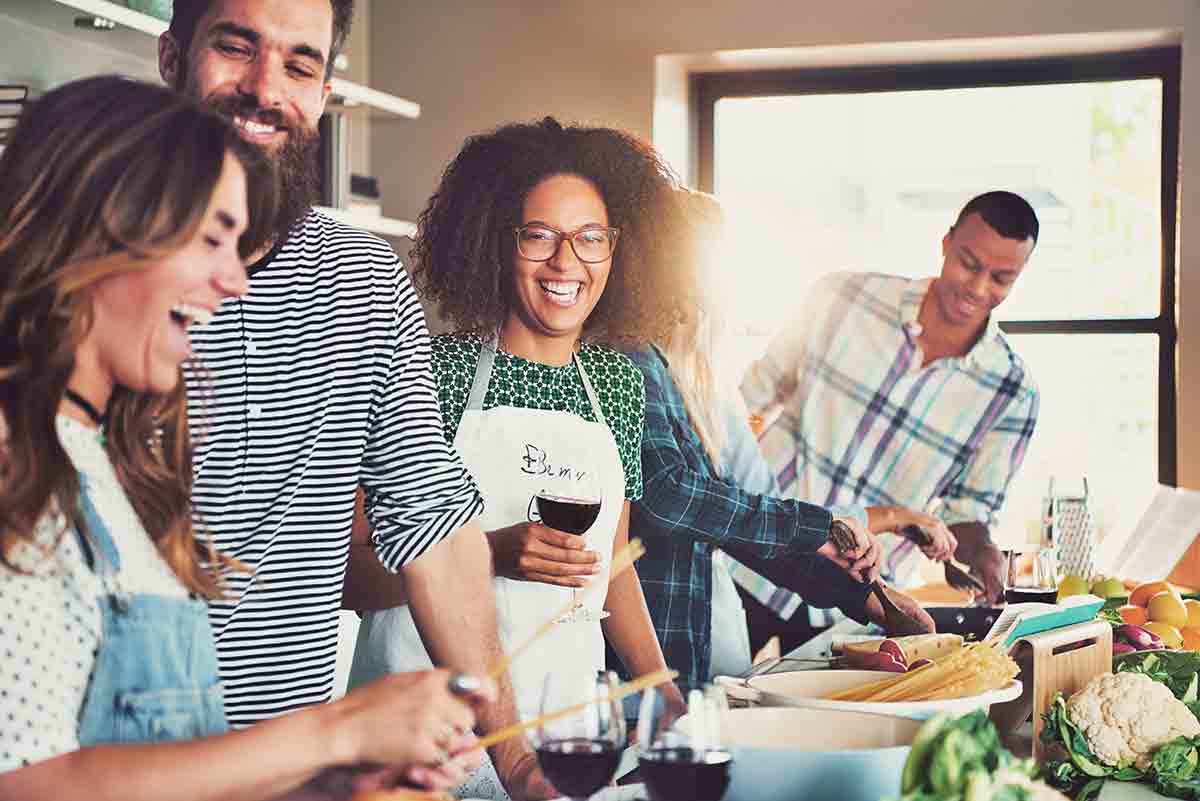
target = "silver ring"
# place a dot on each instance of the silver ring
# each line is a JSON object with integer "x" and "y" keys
{"x": 465, "y": 684}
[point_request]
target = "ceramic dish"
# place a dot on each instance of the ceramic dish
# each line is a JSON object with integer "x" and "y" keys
{"x": 810, "y": 688}
{"x": 784, "y": 754}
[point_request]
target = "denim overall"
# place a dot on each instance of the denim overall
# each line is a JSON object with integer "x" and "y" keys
{"x": 155, "y": 678}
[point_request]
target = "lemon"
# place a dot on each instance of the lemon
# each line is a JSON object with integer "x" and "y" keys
{"x": 1167, "y": 608}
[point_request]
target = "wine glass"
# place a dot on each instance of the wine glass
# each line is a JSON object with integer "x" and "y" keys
{"x": 573, "y": 509}
{"x": 684, "y": 759}
{"x": 579, "y": 753}
{"x": 1031, "y": 576}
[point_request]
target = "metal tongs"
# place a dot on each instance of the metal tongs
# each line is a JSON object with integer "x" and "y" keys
{"x": 956, "y": 574}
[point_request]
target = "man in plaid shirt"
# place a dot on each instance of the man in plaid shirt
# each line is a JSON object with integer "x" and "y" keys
{"x": 904, "y": 395}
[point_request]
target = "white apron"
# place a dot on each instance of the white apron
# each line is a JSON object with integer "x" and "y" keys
{"x": 513, "y": 454}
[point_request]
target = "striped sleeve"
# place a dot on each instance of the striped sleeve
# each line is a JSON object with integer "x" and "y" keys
{"x": 417, "y": 490}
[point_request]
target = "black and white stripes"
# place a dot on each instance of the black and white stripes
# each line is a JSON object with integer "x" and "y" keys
{"x": 316, "y": 382}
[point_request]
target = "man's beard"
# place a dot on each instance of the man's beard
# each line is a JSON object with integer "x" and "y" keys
{"x": 295, "y": 163}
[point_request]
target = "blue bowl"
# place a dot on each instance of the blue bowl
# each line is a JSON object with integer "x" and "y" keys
{"x": 785, "y": 754}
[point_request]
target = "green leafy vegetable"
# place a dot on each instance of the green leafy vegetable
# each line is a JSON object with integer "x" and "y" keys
{"x": 961, "y": 759}
{"x": 1176, "y": 669}
{"x": 1173, "y": 771}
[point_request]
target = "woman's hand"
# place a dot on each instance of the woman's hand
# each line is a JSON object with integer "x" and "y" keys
{"x": 533, "y": 552}
{"x": 523, "y": 778}
{"x": 413, "y": 724}
{"x": 861, "y": 561}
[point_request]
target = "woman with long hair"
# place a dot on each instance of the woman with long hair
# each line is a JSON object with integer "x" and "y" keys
{"x": 696, "y": 507}
{"x": 126, "y": 216}
{"x": 542, "y": 247}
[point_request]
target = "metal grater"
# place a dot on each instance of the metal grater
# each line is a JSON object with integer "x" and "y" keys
{"x": 1071, "y": 530}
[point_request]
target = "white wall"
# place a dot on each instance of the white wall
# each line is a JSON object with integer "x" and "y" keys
{"x": 474, "y": 64}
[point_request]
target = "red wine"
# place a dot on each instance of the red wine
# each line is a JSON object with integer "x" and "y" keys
{"x": 1022, "y": 595}
{"x": 681, "y": 774}
{"x": 577, "y": 766}
{"x": 567, "y": 514}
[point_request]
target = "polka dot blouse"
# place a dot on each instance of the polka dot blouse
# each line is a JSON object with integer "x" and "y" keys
{"x": 50, "y": 613}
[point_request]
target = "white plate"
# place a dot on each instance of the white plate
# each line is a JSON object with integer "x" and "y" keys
{"x": 810, "y": 688}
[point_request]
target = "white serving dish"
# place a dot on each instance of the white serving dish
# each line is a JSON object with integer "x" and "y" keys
{"x": 810, "y": 688}
{"x": 785, "y": 754}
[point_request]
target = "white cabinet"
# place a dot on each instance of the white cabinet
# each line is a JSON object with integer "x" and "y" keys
{"x": 135, "y": 34}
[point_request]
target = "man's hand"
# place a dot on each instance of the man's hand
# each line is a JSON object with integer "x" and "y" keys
{"x": 906, "y": 604}
{"x": 533, "y": 552}
{"x": 977, "y": 551}
{"x": 861, "y": 561}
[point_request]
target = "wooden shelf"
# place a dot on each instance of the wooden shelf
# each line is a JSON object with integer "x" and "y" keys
{"x": 42, "y": 13}
{"x": 372, "y": 222}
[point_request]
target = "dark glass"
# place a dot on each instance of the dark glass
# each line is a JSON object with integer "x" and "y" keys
{"x": 680, "y": 774}
{"x": 1024, "y": 595}
{"x": 577, "y": 766}
{"x": 571, "y": 515}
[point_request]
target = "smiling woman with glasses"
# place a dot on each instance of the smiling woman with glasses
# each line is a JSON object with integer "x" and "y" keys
{"x": 541, "y": 246}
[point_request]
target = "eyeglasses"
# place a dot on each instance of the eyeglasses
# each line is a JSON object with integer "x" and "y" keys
{"x": 591, "y": 245}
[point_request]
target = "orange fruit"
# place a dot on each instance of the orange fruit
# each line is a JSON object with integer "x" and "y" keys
{"x": 1133, "y": 614}
{"x": 1171, "y": 636}
{"x": 1167, "y": 607}
{"x": 1142, "y": 593}
{"x": 1193, "y": 610}
{"x": 1191, "y": 637}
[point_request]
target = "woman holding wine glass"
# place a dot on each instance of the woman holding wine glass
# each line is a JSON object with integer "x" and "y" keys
{"x": 542, "y": 248}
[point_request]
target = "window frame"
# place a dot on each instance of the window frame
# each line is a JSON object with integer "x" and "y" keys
{"x": 706, "y": 88}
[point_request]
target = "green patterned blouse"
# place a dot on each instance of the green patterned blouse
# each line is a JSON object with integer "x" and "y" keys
{"x": 524, "y": 384}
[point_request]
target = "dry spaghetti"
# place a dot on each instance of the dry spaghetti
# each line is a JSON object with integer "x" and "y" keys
{"x": 974, "y": 669}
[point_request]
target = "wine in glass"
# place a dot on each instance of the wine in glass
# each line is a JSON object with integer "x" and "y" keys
{"x": 580, "y": 753}
{"x": 684, "y": 759}
{"x": 573, "y": 513}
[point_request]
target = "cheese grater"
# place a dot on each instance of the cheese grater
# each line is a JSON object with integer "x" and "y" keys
{"x": 1070, "y": 529}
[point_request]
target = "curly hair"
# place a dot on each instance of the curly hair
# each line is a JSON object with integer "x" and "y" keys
{"x": 462, "y": 260}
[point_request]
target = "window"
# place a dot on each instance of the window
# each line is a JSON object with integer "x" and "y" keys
{"x": 865, "y": 169}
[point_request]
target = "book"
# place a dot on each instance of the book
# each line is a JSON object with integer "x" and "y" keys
{"x": 11, "y": 109}
{"x": 1022, "y": 620}
{"x": 8, "y": 123}
{"x": 17, "y": 94}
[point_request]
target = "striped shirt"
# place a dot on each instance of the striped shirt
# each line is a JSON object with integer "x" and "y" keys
{"x": 864, "y": 423}
{"x": 315, "y": 383}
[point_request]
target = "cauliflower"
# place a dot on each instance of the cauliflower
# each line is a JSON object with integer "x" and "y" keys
{"x": 1127, "y": 716}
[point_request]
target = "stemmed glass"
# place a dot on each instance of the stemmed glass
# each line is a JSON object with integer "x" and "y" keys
{"x": 1040, "y": 584}
{"x": 580, "y": 753}
{"x": 684, "y": 759}
{"x": 573, "y": 513}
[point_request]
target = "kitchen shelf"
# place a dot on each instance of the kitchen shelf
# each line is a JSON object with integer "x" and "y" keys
{"x": 371, "y": 222}
{"x": 40, "y": 13}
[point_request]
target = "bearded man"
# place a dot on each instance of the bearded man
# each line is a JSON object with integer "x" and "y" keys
{"x": 316, "y": 384}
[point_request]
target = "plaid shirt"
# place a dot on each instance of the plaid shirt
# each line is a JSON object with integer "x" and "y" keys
{"x": 687, "y": 511}
{"x": 864, "y": 423}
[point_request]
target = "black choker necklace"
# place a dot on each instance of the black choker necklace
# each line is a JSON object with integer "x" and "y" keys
{"x": 88, "y": 409}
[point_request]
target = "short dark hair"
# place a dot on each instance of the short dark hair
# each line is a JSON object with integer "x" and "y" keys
{"x": 187, "y": 13}
{"x": 1009, "y": 214}
{"x": 463, "y": 256}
